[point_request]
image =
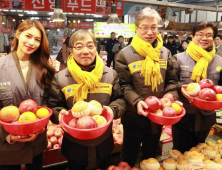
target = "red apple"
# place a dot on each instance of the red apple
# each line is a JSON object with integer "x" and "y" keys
{"x": 124, "y": 165}
{"x": 179, "y": 103}
{"x": 60, "y": 141}
{"x": 72, "y": 122}
{"x": 58, "y": 134}
{"x": 169, "y": 96}
{"x": 134, "y": 168}
{"x": 56, "y": 146}
{"x": 169, "y": 112}
{"x": 111, "y": 167}
{"x": 117, "y": 168}
{"x": 218, "y": 89}
{"x": 86, "y": 122}
{"x": 53, "y": 140}
{"x": 60, "y": 129}
{"x": 49, "y": 145}
{"x": 153, "y": 103}
{"x": 59, "y": 126}
{"x": 165, "y": 102}
{"x": 52, "y": 128}
{"x": 50, "y": 133}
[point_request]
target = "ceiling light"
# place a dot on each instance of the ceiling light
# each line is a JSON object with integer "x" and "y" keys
{"x": 19, "y": 10}
{"x": 78, "y": 21}
{"x": 88, "y": 14}
{"x": 13, "y": 20}
{"x": 50, "y": 13}
{"x": 5, "y": 10}
{"x": 21, "y": 15}
{"x": 81, "y": 13}
{"x": 58, "y": 29}
{"x": 76, "y": 13}
{"x": 220, "y": 24}
{"x": 64, "y": 13}
{"x": 113, "y": 19}
{"x": 70, "y": 13}
{"x": 90, "y": 30}
{"x": 58, "y": 15}
{"x": 22, "y": 19}
{"x": 74, "y": 21}
{"x": 32, "y": 12}
{"x": 13, "y": 10}
{"x": 3, "y": 23}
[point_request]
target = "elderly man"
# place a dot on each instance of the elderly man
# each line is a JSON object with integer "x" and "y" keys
{"x": 145, "y": 68}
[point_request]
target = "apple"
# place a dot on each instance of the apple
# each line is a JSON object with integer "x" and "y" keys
{"x": 58, "y": 134}
{"x": 165, "y": 102}
{"x": 52, "y": 128}
{"x": 124, "y": 165}
{"x": 60, "y": 141}
{"x": 179, "y": 103}
{"x": 218, "y": 89}
{"x": 219, "y": 97}
{"x": 60, "y": 129}
{"x": 49, "y": 145}
{"x": 111, "y": 167}
{"x": 177, "y": 108}
{"x": 50, "y": 133}
{"x": 53, "y": 140}
{"x": 56, "y": 146}
{"x": 153, "y": 103}
{"x": 134, "y": 168}
{"x": 117, "y": 168}
{"x": 169, "y": 96}
{"x": 72, "y": 122}
{"x": 59, "y": 126}
{"x": 86, "y": 122}
{"x": 169, "y": 112}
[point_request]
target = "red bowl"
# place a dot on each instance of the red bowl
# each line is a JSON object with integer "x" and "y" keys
{"x": 163, "y": 120}
{"x": 27, "y": 128}
{"x": 86, "y": 134}
{"x": 207, "y": 105}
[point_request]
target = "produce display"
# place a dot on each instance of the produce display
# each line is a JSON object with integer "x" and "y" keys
{"x": 27, "y": 119}
{"x": 122, "y": 166}
{"x": 54, "y": 135}
{"x": 117, "y": 130}
{"x": 205, "y": 94}
{"x": 204, "y": 155}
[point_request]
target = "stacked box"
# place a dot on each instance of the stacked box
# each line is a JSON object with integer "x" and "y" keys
{"x": 219, "y": 117}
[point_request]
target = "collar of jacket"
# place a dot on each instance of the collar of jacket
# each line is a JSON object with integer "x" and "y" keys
{"x": 209, "y": 48}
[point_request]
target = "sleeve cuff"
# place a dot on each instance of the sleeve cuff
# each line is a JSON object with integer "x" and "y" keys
{"x": 8, "y": 140}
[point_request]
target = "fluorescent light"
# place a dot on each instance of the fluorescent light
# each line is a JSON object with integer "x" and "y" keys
{"x": 89, "y": 19}
{"x": 32, "y": 12}
{"x": 5, "y": 10}
{"x": 50, "y": 13}
{"x": 78, "y": 21}
{"x": 64, "y": 13}
{"x": 76, "y": 13}
{"x": 13, "y": 20}
{"x": 81, "y": 13}
{"x": 13, "y": 10}
{"x": 19, "y": 10}
{"x": 21, "y": 15}
{"x": 98, "y": 16}
{"x": 70, "y": 13}
{"x": 26, "y": 11}
{"x": 88, "y": 14}
{"x": 58, "y": 29}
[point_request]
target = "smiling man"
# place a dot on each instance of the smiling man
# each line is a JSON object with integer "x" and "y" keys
{"x": 197, "y": 62}
{"x": 145, "y": 68}
{"x": 218, "y": 42}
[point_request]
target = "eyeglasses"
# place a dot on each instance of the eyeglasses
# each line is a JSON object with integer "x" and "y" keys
{"x": 208, "y": 36}
{"x": 81, "y": 46}
{"x": 146, "y": 29}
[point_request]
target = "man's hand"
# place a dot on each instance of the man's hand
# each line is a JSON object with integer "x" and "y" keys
{"x": 27, "y": 138}
{"x": 185, "y": 94}
{"x": 108, "y": 109}
{"x": 141, "y": 105}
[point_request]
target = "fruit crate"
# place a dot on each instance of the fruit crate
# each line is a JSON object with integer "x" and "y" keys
{"x": 53, "y": 156}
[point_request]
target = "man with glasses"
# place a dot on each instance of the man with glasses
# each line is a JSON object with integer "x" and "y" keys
{"x": 196, "y": 63}
{"x": 145, "y": 68}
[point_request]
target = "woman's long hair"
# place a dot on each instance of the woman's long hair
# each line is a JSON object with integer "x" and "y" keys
{"x": 44, "y": 71}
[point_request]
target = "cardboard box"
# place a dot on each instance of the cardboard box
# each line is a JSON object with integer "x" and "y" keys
{"x": 53, "y": 156}
{"x": 165, "y": 147}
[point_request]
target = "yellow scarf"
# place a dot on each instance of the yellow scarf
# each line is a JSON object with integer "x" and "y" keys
{"x": 86, "y": 80}
{"x": 202, "y": 57}
{"x": 151, "y": 67}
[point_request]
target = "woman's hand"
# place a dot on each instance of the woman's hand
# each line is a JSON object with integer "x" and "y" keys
{"x": 27, "y": 138}
{"x": 62, "y": 112}
{"x": 141, "y": 105}
{"x": 185, "y": 94}
{"x": 108, "y": 109}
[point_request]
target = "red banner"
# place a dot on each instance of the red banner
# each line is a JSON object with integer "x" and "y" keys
{"x": 71, "y": 6}
{"x": 48, "y": 24}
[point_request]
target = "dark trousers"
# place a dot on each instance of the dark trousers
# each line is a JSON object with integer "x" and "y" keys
{"x": 132, "y": 139}
{"x": 110, "y": 58}
{"x": 185, "y": 139}
{"x": 36, "y": 164}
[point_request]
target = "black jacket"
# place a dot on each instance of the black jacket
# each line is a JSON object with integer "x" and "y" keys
{"x": 172, "y": 47}
{"x": 109, "y": 45}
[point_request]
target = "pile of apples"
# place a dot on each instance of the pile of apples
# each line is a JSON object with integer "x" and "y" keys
{"x": 205, "y": 90}
{"x": 54, "y": 135}
{"x": 26, "y": 112}
{"x": 87, "y": 121}
{"x": 122, "y": 166}
{"x": 165, "y": 106}
{"x": 117, "y": 129}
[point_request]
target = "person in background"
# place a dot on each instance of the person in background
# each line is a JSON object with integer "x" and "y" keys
{"x": 98, "y": 45}
{"x": 142, "y": 76}
{"x": 189, "y": 39}
{"x": 9, "y": 48}
{"x": 109, "y": 46}
{"x": 176, "y": 41}
{"x": 171, "y": 45}
{"x": 118, "y": 46}
{"x": 183, "y": 46}
{"x": 198, "y": 62}
{"x": 130, "y": 40}
{"x": 86, "y": 72}
{"x": 218, "y": 42}
{"x": 27, "y": 74}
{"x": 65, "y": 54}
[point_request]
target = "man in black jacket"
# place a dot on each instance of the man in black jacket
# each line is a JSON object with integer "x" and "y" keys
{"x": 171, "y": 45}
{"x": 109, "y": 46}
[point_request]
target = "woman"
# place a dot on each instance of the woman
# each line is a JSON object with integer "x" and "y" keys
{"x": 183, "y": 46}
{"x": 25, "y": 74}
{"x": 65, "y": 54}
{"x": 84, "y": 74}
{"x": 197, "y": 62}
